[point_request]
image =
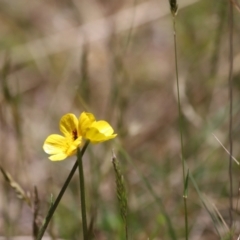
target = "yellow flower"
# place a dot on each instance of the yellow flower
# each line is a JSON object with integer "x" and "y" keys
{"x": 95, "y": 131}
{"x": 60, "y": 147}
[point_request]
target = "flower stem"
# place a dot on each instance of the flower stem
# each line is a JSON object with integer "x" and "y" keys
{"x": 82, "y": 194}
{"x": 59, "y": 197}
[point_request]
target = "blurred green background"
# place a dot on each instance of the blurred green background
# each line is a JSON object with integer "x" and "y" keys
{"x": 116, "y": 60}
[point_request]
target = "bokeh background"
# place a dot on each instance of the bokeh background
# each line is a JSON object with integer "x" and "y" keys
{"x": 116, "y": 60}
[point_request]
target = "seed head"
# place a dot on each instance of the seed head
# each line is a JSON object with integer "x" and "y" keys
{"x": 173, "y": 7}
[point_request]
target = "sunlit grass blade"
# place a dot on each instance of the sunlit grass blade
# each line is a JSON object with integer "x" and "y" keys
{"x": 218, "y": 222}
{"x": 157, "y": 198}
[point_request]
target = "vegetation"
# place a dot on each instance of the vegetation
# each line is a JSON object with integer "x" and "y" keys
{"x": 164, "y": 75}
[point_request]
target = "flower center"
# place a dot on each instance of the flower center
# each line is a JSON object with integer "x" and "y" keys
{"x": 74, "y": 134}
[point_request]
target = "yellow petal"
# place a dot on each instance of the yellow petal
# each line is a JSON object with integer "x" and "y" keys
{"x": 69, "y": 125}
{"x": 55, "y": 144}
{"x": 99, "y": 132}
{"x": 85, "y": 121}
{"x": 103, "y": 127}
{"x": 72, "y": 149}
{"x": 60, "y": 147}
{"x": 58, "y": 157}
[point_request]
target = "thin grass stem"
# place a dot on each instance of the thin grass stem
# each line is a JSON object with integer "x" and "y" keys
{"x": 230, "y": 110}
{"x": 59, "y": 197}
{"x": 130, "y": 32}
{"x": 180, "y": 128}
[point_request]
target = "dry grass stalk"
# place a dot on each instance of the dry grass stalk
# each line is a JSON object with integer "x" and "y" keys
{"x": 16, "y": 187}
{"x": 121, "y": 192}
{"x": 35, "y": 213}
{"x": 173, "y": 7}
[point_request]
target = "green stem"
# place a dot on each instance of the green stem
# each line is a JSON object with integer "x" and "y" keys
{"x": 59, "y": 197}
{"x": 230, "y": 89}
{"x": 180, "y": 129}
{"x": 82, "y": 194}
